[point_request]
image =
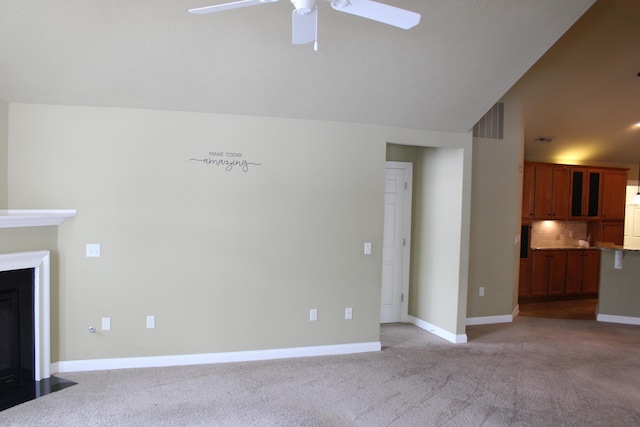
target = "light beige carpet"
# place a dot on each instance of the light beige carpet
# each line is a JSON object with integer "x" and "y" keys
{"x": 533, "y": 372}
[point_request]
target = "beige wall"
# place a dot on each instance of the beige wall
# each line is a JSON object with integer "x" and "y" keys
{"x": 439, "y": 253}
{"x": 496, "y": 189}
{"x": 438, "y": 288}
{"x": 225, "y": 260}
{"x": 619, "y": 291}
{"x": 4, "y": 135}
{"x": 496, "y": 211}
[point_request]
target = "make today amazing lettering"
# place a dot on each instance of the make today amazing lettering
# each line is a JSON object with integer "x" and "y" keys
{"x": 227, "y": 160}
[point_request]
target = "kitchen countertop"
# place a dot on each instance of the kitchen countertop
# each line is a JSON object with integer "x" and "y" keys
{"x": 619, "y": 248}
{"x": 559, "y": 248}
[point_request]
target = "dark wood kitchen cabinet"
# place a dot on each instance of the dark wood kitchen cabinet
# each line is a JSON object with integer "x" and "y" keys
{"x": 578, "y": 193}
{"x": 586, "y": 191}
{"x": 560, "y": 273}
{"x": 614, "y": 188}
{"x": 551, "y": 200}
{"x": 548, "y": 273}
{"x": 612, "y": 232}
{"x": 583, "y": 272}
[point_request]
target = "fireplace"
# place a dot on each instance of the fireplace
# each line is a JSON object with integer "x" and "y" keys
{"x": 17, "y": 338}
{"x": 31, "y": 271}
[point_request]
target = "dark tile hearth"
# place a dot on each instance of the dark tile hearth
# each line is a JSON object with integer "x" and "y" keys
{"x": 23, "y": 393}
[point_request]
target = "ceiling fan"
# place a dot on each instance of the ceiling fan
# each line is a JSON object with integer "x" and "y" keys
{"x": 305, "y": 15}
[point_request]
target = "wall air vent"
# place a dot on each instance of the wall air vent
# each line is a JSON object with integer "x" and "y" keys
{"x": 491, "y": 126}
{"x": 544, "y": 139}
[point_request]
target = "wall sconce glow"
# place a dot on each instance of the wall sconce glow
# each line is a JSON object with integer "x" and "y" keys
{"x": 637, "y": 124}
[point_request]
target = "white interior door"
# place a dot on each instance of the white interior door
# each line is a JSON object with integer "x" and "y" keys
{"x": 632, "y": 221}
{"x": 395, "y": 251}
{"x": 632, "y": 227}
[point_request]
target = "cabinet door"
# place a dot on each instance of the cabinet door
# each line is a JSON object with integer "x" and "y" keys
{"x": 614, "y": 188}
{"x": 557, "y": 272}
{"x": 578, "y": 199}
{"x": 594, "y": 193}
{"x": 561, "y": 179}
{"x": 575, "y": 268}
{"x": 612, "y": 232}
{"x": 528, "y": 177}
{"x": 591, "y": 272}
{"x": 539, "y": 274}
{"x": 543, "y": 202}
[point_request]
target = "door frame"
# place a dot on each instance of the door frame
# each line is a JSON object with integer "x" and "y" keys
{"x": 406, "y": 255}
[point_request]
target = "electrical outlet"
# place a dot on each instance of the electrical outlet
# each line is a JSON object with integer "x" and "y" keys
{"x": 93, "y": 250}
{"x": 313, "y": 314}
{"x": 348, "y": 313}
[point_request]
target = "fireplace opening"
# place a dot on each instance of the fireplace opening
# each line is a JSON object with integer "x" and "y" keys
{"x": 18, "y": 375}
{"x": 17, "y": 335}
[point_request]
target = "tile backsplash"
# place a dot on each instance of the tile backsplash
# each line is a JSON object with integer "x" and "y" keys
{"x": 557, "y": 233}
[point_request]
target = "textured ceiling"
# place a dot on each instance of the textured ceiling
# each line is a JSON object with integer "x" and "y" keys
{"x": 443, "y": 74}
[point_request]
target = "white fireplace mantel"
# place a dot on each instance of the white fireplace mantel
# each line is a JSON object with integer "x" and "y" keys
{"x": 15, "y": 218}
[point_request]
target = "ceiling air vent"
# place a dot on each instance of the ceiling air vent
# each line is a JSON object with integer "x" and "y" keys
{"x": 491, "y": 126}
{"x": 544, "y": 139}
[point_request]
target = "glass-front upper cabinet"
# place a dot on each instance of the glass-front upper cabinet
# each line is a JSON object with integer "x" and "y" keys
{"x": 586, "y": 191}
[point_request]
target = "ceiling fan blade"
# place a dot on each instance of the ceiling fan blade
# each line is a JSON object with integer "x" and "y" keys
{"x": 227, "y": 6}
{"x": 380, "y": 12}
{"x": 305, "y": 26}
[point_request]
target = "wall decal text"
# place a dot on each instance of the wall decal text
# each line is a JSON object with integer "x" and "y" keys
{"x": 227, "y": 160}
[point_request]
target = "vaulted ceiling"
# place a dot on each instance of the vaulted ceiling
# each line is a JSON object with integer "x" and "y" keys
{"x": 443, "y": 74}
{"x": 584, "y": 92}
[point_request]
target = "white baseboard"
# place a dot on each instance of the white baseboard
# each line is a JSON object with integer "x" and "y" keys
{"x": 456, "y": 339}
{"x": 611, "y": 318}
{"x": 209, "y": 358}
{"x": 488, "y": 320}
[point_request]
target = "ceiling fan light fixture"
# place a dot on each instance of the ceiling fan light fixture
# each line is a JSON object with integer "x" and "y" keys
{"x": 304, "y": 7}
{"x": 340, "y": 3}
{"x": 305, "y": 15}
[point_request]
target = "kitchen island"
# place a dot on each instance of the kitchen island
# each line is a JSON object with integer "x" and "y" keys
{"x": 619, "y": 293}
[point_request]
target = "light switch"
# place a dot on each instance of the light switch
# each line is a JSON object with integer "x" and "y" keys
{"x": 151, "y": 322}
{"x": 106, "y": 323}
{"x": 367, "y": 248}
